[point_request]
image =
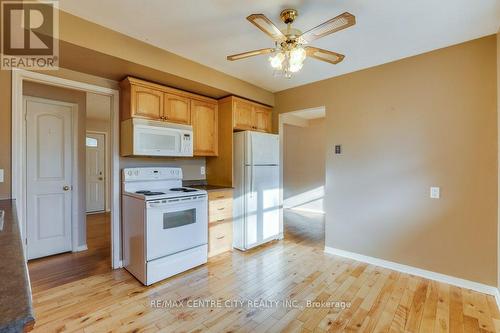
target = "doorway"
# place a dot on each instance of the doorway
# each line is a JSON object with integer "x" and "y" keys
{"x": 21, "y": 79}
{"x": 303, "y": 159}
{"x": 56, "y": 165}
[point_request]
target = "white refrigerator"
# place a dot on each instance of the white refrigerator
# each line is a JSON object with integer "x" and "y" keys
{"x": 256, "y": 205}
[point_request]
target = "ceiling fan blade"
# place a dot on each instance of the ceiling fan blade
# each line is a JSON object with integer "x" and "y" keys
{"x": 324, "y": 55}
{"x": 266, "y": 26}
{"x": 249, "y": 54}
{"x": 335, "y": 24}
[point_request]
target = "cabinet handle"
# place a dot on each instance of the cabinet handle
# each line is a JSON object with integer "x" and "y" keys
{"x": 220, "y": 237}
{"x": 220, "y": 220}
{"x": 220, "y": 197}
{"x": 222, "y": 208}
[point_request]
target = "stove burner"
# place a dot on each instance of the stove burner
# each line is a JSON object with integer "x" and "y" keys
{"x": 147, "y": 193}
{"x": 183, "y": 189}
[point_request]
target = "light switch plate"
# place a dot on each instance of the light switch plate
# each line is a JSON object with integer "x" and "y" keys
{"x": 1, "y": 176}
{"x": 435, "y": 192}
{"x": 202, "y": 170}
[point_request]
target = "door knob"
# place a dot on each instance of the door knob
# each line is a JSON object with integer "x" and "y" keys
{"x": 100, "y": 178}
{"x": 66, "y": 188}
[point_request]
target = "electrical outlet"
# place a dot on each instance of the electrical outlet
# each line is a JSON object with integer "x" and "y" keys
{"x": 435, "y": 192}
{"x": 1, "y": 176}
{"x": 202, "y": 170}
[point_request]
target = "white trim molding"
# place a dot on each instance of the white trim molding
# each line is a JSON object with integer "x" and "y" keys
{"x": 81, "y": 248}
{"x": 458, "y": 282}
{"x": 306, "y": 210}
{"x": 18, "y": 190}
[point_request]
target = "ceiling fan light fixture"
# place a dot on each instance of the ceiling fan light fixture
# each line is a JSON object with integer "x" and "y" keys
{"x": 291, "y": 45}
{"x": 286, "y": 62}
{"x": 297, "y": 55}
{"x": 276, "y": 60}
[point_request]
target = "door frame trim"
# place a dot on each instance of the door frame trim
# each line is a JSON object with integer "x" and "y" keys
{"x": 75, "y": 193}
{"x": 107, "y": 186}
{"x": 20, "y": 75}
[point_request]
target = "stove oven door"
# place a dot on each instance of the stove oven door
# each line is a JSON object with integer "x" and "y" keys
{"x": 174, "y": 225}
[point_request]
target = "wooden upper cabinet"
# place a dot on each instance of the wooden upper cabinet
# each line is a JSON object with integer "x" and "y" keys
{"x": 146, "y": 103}
{"x": 204, "y": 119}
{"x": 177, "y": 109}
{"x": 263, "y": 119}
{"x": 249, "y": 116}
{"x": 243, "y": 115}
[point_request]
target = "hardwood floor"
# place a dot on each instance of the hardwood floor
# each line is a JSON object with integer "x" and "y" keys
{"x": 53, "y": 271}
{"x": 380, "y": 300}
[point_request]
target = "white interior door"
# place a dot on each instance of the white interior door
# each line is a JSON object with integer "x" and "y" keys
{"x": 96, "y": 191}
{"x": 49, "y": 157}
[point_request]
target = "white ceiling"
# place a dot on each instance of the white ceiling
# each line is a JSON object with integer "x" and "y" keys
{"x": 98, "y": 107}
{"x": 207, "y": 31}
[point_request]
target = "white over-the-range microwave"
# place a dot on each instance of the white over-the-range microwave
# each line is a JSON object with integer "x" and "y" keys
{"x": 141, "y": 137}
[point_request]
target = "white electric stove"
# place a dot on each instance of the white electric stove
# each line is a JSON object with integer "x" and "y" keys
{"x": 165, "y": 225}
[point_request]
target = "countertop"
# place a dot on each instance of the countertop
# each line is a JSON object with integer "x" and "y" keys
{"x": 16, "y": 310}
{"x": 202, "y": 185}
{"x": 211, "y": 188}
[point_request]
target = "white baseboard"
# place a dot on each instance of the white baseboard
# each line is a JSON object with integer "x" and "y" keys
{"x": 120, "y": 265}
{"x": 81, "y": 248}
{"x": 497, "y": 296}
{"x": 96, "y": 212}
{"x": 462, "y": 283}
{"x": 307, "y": 210}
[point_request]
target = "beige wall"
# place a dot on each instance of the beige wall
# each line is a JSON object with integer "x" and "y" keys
{"x": 98, "y": 125}
{"x": 424, "y": 121}
{"x": 78, "y": 97}
{"x": 498, "y": 157}
{"x": 304, "y": 165}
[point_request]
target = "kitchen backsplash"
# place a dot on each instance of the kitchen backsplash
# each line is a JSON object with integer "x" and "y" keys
{"x": 191, "y": 167}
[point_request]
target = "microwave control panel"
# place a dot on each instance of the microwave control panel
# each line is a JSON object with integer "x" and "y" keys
{"x": 186, "y": 143}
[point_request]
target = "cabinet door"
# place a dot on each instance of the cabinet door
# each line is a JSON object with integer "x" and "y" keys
{"x": 263, "y": 119}
{"x": 146, "y": 103}
{"x": 177, "y": 109}
{"x": 243, "y": 115}
{"x": 205, "y": 128}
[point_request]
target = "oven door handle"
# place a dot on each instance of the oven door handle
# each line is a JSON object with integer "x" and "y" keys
{"x": 174, "y": 203}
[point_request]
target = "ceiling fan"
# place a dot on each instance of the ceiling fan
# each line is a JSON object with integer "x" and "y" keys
{"x": 290, "y": 51}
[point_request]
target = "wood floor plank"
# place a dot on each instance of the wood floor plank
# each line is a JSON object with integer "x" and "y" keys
{"x": 430, "y": 308}
{"x": 442, "y": 321}
{"x": 80, "y": 293}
